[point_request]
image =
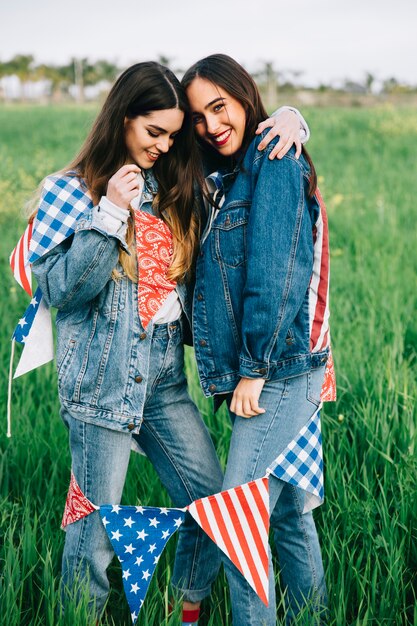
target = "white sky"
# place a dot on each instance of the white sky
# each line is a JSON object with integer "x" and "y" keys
{"x": 325, "y": 39}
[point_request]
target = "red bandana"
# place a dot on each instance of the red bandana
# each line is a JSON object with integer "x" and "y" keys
{"x": 154, "y": 249}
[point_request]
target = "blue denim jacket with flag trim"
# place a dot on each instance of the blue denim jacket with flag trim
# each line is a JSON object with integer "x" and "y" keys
{"x": 102, "y": 350}
{"x": 261, "y": 293}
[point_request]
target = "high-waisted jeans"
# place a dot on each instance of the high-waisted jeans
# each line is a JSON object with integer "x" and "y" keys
{"x": 255, "y": 443}
{"x": 177, "y": 443}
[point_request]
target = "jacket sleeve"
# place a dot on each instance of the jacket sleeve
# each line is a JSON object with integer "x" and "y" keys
{"x": 279, "y": 261}
{"x": 76, "y": 270}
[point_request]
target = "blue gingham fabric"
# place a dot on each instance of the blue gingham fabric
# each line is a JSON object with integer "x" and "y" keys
{"x": 63, "y": 201}
{"x": 301, "y": 463}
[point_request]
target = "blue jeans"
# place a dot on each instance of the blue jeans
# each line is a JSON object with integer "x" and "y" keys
{"x": 255, "y": 443}
{"x": 177, "y": 443}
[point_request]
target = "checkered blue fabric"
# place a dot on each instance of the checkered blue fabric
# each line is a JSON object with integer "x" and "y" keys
{"x": 301, "y": 463}
{"x": 63, "y": 201}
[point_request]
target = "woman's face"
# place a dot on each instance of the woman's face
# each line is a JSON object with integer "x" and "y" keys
{"x": 218, "y": 118}
{"x": 147, "y": 137}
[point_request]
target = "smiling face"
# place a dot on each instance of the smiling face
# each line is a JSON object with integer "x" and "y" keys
{"x": 147, "y": 137}
{"x": 219, "y": 118}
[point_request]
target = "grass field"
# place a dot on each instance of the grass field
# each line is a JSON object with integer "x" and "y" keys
{"x": 367, "y": 163}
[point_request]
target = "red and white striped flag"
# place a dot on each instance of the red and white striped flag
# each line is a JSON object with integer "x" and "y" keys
{"x": 19, "y": 261}
{"x": 237, "y": 520}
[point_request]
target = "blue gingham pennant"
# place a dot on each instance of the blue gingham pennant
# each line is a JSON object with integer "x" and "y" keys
{"x": 63, "y": 201}
{"x": 139, "y": 535}
{"x": 301, "y": 463}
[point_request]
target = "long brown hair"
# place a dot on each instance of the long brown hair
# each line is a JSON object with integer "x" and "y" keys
{"x": 222, "y": 70}
{"x": 140, "y": 90}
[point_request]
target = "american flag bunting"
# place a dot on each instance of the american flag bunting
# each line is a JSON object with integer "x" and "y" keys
{"x": 237, "y": 520}
{"x": 77, "y": 504}
{"x": 301, "y": 463}
{"x": 139, "y": 535}
{"x": 34, "y": 331}
{"x": 63, "y": 201}
{"x": 19, "y": 261}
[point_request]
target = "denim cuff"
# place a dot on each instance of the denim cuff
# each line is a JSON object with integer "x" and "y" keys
{"x": 93, "y": 220}
{"x": 253, "y": 369}
{"x": 191, "y": 595}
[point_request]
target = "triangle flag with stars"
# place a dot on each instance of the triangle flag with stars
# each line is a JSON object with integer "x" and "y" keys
{"x": 34, "y": 330}
{"x": 139, "y": 535}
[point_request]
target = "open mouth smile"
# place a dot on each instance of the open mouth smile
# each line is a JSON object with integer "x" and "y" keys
{"x": 152, "y": 155}
{"x": 222, "y": 138}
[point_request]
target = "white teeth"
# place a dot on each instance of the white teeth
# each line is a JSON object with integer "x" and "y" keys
{"x": 223, "y": 136}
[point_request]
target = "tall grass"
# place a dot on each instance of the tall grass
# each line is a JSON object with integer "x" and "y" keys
{"x": 367, "y": 164}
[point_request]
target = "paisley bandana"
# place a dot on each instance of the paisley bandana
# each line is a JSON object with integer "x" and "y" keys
{"x": 154, "y": 250}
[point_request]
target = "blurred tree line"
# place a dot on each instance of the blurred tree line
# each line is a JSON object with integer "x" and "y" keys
{"x": 72, "y": 80}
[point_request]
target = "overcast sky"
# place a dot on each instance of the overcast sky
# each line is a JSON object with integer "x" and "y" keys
{"x": 324, "y": 39}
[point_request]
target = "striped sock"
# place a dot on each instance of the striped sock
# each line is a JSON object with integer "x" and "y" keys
{"x": 190, "y": 618}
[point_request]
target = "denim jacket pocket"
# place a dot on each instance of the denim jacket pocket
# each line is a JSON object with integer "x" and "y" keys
{"x": 229, "y": 236}
{"x": 115, "y": 297}
{"x": 65, "y": 361}
{"x": 314, "y": 384}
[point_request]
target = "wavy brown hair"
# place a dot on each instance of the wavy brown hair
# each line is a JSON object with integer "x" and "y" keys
{"x": 140, "y": 90}
{"x": 222, "y": 70}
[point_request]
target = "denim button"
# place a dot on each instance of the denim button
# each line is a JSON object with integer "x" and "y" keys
{"x": 212, "y": 388}
{"x": 323, "y": 359}
{"x": 261, "y": 370}
{"x": 130, "y": 426}
{"x": 138, "y": 379}
{"x": 142, "y": 336}
{"x": 200, "y": 296}
{"x": 202, "y": 342}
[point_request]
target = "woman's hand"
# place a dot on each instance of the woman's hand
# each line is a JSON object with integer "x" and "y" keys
{"x": 123, "y": 186}
{"x": 246, "y": 396}
{"x": 287, "y": 125}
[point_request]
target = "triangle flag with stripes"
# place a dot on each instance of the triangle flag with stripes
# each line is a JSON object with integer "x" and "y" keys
{"x": 301, "y": 463}
{"x": 19, "y": 261}
{"x": 77, "y": 504}
{"x": 139, "y": 535}
{"x": 237, "y": 520}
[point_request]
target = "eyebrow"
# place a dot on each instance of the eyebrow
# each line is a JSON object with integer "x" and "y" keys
{"x": 158, "y": 128}
{"x": 220, "y": 99}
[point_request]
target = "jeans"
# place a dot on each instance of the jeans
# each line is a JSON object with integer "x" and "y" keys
{"x": 177, "y": 443}
{"x": 255, "y": 443}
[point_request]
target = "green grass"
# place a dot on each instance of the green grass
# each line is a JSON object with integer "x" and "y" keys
{"x": 367, "y": 163}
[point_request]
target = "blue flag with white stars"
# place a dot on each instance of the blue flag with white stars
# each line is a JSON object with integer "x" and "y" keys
{"x": 25, "y": 323}
{"x": 139, "y": 535}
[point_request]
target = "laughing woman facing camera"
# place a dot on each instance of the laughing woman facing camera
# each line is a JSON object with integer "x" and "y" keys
{"x": 253, "y": 319}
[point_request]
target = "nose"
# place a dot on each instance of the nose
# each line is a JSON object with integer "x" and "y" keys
{"x": 213, "y": 124}
{"x": 164, "y": 144}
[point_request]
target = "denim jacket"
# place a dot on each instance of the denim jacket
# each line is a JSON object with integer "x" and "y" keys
{"x": 102, "y": 350}
{"x": 252, "y": 315}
